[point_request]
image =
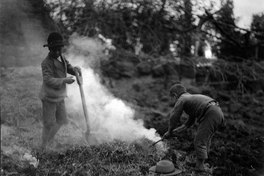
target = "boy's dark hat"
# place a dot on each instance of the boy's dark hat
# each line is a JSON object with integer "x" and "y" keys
{"x": 55, "y": 39}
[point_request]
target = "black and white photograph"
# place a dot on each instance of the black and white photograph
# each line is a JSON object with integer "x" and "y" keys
{"x": 132, "y": 87}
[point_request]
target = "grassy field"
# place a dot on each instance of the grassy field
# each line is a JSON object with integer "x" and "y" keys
{"x": 21, "y": 132}
{"x": 235, "y": 151}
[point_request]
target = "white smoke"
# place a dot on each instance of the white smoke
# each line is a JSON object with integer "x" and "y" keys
{"x": 109, "y": 117}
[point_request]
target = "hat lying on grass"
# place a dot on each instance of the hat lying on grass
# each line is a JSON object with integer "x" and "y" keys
{"x": 164, "y": 168}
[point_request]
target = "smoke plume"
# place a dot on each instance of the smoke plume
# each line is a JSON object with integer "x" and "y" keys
{"x": 22, "y": 34}
{"x": 109, "y": 117}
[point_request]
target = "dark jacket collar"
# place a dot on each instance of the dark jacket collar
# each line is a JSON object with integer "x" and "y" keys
{"x": 51, "y": 56}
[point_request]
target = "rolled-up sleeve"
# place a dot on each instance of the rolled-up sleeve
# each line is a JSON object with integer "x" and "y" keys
{"x": 48, "y": 77}
{"x": 175, "y": 114}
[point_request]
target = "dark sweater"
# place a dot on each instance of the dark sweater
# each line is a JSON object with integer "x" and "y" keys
{"x": 193, "y": 105}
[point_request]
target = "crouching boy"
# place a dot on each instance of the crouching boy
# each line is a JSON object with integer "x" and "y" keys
{"x": 201, "y": 109}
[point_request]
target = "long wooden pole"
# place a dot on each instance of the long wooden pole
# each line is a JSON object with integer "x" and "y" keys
{"x": 80, "y": 82}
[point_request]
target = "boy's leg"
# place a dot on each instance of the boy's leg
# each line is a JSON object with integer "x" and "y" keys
{"x": 213, "y": 117}
{"x": 61, "y": 119}
{"x": 209, "y": 143}
{"x": 53, "y": 131}
{"x": 200, "y": 143}
{"x": 49, "y": 120}
{"x": 45, "y": 132}
{"x": 61, "y": 114}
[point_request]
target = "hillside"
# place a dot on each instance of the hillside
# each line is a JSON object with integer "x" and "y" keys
{"x": 231, "y": 153}
{"x": 128, "y": 101}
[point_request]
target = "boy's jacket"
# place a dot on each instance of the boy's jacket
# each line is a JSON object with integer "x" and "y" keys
{"x": 53, "y": 71}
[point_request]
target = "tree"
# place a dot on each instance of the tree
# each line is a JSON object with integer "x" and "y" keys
{"x": 225, "y": 24}
{"x": 188, "y": 20}
{"x": 257, "y": 28}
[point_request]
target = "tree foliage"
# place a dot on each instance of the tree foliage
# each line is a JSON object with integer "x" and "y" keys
{"x": 156, "y": 23}
{"x": 257, "y": 28}
{"x": 226, "y": 27}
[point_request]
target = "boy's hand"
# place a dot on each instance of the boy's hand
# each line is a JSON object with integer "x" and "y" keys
{"x": 78, "y": 70}
{"x": 167, "y": 135}
{"x": 179, "y": 129}
{"x": 68, "y": 80}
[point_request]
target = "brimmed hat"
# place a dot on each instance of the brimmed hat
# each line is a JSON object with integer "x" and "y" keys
{"x": 165, "y": 168}
{"x": 55, "y": 39}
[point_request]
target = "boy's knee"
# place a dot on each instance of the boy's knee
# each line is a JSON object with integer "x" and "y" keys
{"x": 62, "y": 121}
{"x": 49, "y": 125}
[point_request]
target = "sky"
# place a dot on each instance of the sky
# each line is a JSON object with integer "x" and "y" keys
{"x": 245, "y": 9}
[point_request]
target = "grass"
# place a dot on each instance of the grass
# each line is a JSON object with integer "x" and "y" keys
{"x": 236, "y": 151}
{"x": 21, "y": 127}
{"x": 114, "y": 158}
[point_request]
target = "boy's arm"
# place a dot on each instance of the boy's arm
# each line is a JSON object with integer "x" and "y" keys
{"x": 70, "y": 68}
{"x": 49, "y": 78}
{"x": 189, "y": 122}
{"x": 175, "y": 115}
{"x": 180, "y": 129}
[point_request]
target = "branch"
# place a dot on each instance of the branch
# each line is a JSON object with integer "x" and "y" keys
{"x": 214, "y": 22}
{"x": 203, "y": 19}
{"x": 219, "y": 38}
{"x": 162, "y": 6}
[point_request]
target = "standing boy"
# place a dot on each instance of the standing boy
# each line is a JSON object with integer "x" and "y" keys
{"x": 53, "y": 91}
